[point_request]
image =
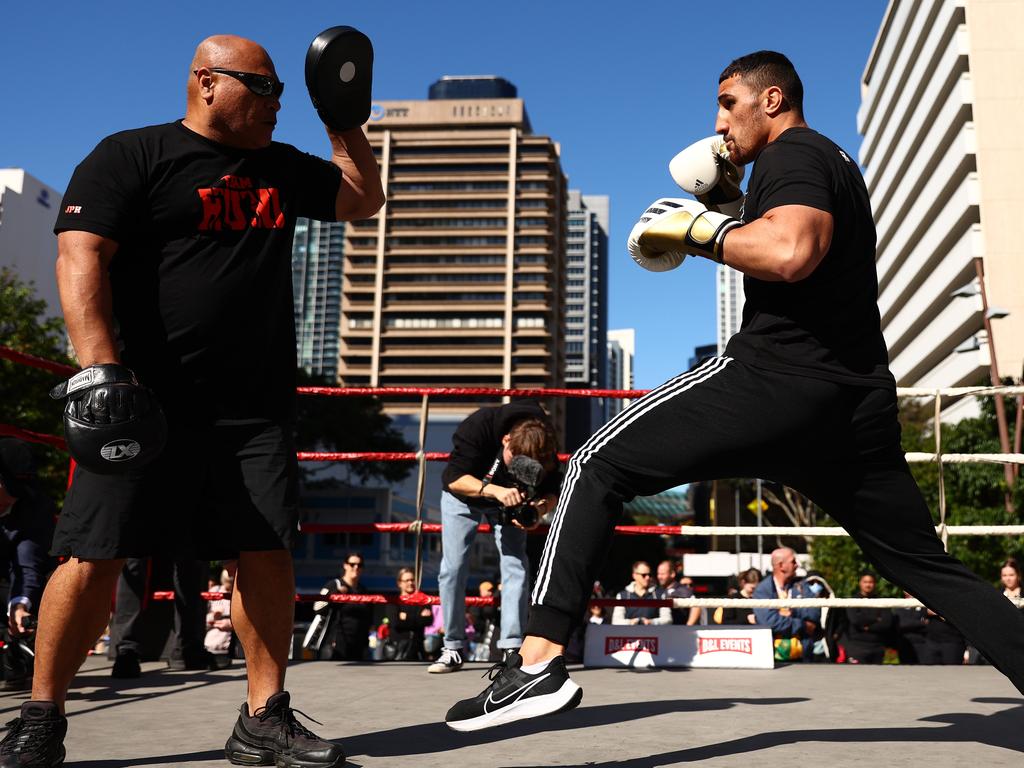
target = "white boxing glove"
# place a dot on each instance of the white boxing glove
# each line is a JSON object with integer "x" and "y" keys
{"x": 652, "y": 261}
{"x": 672, "y": 227}
{"x": 705, "y": 171}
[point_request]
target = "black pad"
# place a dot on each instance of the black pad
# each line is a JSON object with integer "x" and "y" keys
{"x": 339, "y": 76}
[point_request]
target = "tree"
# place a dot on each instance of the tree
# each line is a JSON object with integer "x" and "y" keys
{"x": 347, "y": 424}
{"x": 974, "y": 496}
{"x": 25, "y": 403}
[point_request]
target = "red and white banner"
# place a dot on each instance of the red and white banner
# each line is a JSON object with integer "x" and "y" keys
{"x": 612, "y": 645}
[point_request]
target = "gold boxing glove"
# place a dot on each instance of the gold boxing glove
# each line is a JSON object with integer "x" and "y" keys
{"x": 671, "y": 227}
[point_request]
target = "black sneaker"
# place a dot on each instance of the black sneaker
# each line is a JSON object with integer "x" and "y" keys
{"x": 516, "y": 695}
{"x": 126, "y": 665}
{"x": 36, "y": 739}
{"x": 272, "y": 736}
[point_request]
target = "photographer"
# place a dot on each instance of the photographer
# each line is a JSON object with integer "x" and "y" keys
{"x": 26, "y": 527}
{"x": 503, "y": 465}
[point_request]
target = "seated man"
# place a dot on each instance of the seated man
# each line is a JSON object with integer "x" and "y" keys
{"x": 640, "y": 589}
{"x": 671, "y": 586}
{"x": 26, "y": 527}
{"x": 793, "y": 629}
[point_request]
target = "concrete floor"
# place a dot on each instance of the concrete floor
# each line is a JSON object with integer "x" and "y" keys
{"x": 391, "y": 715}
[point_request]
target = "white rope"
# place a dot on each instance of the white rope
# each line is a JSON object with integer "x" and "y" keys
{"x": 811, "y": 602}
{"x": 779, "y": 530}
{"x": 955, "y": 391}
{"x": 968, "y": 458}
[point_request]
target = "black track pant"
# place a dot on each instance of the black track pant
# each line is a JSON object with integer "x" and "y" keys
{"x": 836, "y": 443}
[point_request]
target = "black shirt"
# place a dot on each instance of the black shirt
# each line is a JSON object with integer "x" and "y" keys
{"x": 826, "y": 325}
{"x": 201, "y": 280}
{"x": 476, "y": 447}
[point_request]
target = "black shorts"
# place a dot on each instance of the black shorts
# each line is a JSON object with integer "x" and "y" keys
{"x": 214, "y": 492}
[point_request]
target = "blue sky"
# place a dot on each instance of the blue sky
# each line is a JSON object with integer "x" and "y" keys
{"x": 622, "y": 86}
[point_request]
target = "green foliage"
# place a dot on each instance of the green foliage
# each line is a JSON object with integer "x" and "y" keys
{"x": 347, "y": 424}
{"x": 25, "y": 402}
{"x": 974, "y": 496}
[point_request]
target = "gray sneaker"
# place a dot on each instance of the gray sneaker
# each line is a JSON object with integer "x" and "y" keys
{"x": 449, "y": 661}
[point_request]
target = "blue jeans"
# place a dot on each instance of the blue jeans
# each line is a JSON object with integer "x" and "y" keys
{"x": 459, "y": 522}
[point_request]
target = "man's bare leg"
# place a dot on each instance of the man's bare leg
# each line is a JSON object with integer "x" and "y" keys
{"x": 537, "y": 649}
{"x": 262, "y": 613}
{"x": 73, "y": 612}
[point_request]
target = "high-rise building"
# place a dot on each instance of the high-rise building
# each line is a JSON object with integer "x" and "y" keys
{"x": 316, "y": 287}
{"x": 28, "y": 209}
{"x": 621, "y": 352}
{"x": 728, "y": 304}
{"x": 942, "y": 117}
{"x": 458, "y": 280}
{"x": 586, "y": 323}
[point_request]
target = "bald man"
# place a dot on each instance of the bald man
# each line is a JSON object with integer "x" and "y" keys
{"x": 788, "y": 625}
{"x": 174, "y": 246}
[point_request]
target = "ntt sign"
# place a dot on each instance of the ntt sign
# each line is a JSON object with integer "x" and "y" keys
{"x": 611, "y": 645}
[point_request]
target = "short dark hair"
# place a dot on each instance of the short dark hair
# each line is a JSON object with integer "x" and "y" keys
{"x": 867, "y": 572}
{"x": 534, "y": 438}
{"x": 763, "y": 69}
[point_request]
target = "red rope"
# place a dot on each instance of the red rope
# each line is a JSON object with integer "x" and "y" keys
{"x": 457, "y": 391}
{"x": 628, "y": 530}
{"x": 381, "y": 456}
{"x": 416, "y": 598}
{"x": 15, "y": 356}
{"x": 6, "y": 430}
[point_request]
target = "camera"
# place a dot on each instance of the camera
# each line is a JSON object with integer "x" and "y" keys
{"x": 528, "y": 474}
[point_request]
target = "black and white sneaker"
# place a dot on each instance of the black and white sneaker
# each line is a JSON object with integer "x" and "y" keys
{"x": 272, "y": 736}
{"x": 450, "y": 660}
{"x": 516, "y": 695}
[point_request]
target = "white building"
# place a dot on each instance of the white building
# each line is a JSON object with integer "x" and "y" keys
{"x": 621, "y": 353}
{"x": 28, "y": 210}
{"x": 728, "y": 304}
{"x": 942, "y": 116}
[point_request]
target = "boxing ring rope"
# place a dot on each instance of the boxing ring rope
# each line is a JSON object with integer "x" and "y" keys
{"x": 421, "y": 456}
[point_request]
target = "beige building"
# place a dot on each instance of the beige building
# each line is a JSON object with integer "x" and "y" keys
{"x": 942, "y": 117}
{"x": 459, "y": 279}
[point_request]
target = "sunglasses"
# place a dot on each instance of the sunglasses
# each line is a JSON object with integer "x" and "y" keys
{"x": 354, "y": 565}
{"x": 261, "y": 85}
{"x": 643, "y": 575}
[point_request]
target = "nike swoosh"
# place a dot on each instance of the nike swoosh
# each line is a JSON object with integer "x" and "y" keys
{"x": 519, "y": 692}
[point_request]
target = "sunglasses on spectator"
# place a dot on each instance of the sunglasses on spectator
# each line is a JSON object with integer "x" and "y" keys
{"x": 354, "y": 565}
{"x": 643, "y": 575}
{"x": 261, "y": 85}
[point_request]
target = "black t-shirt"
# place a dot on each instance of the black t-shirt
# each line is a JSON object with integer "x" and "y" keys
{"x": 476, "y": 448}
{"x": 201, "y": 280}
{"x": 826, "y": 325}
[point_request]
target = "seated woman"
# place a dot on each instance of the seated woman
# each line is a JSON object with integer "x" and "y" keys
{"x": 407, "y": 622}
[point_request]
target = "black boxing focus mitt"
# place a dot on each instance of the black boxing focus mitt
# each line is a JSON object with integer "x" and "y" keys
{"x": 112, "y": 424}
{"x": 339, "y": 75}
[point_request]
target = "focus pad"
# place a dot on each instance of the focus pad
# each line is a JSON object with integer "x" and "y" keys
{"x": 339, "y": 75}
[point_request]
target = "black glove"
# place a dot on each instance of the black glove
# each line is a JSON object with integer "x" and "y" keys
{"x": 112, "y": 424}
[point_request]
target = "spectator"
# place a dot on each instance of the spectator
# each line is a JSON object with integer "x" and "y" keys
{"x": 912, "y": 624}
{"x": 26, "y": 527}
{"x": 478, "y": 484}
{"x": 1009, "y": 575}
{"x": 407, "y": 623}
{"x": 134, "y": 613}
{"x": 748, "y": 581}
{"x": 640, "y": 589}
{"x": 868, "y": 629}
{"x": 485, "y": 620}
{"x": 793, "y": 629}
{"x": 670, "y": 588}
{"x": 597, "y": 614}
{"x": 220, "y": 634}
{"x": 433, "y": 635}
{"x": 350, "y": 622}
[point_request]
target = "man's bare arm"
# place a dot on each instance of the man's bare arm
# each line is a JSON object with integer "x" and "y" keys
{"x": 360, "y": 194}
{"x": 784, "y": 245}
{"x": 83, "y": 278}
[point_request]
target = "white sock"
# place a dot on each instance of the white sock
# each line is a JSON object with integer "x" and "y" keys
{"x": 533, "y": 669}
